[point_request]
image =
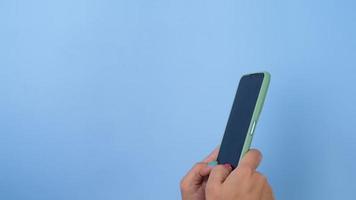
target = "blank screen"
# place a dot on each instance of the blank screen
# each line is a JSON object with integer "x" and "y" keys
{"x": 239, "y": 119}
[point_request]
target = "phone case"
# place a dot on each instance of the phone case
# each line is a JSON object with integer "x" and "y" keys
{"x": 256, "y": 113}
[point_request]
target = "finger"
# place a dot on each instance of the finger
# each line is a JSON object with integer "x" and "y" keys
{"x": 251, "y": 159}
{"x": 259, "y": 182}
{"x": 213, "y": 155}
{"x": 194, "y": 176}
{"x": 206, "y": 170}
{"x": 267, "y": 192}
{"x": 219, "y": 174}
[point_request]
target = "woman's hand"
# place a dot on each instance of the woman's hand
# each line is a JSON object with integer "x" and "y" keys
{"x": 243, "y": 183}
{"x": 193, "y": 184}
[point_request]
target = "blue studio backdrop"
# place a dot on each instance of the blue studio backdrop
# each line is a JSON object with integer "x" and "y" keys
{"x": 104, "y": 99}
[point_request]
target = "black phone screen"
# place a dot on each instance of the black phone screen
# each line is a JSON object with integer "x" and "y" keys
{"x": 239, "y": 119}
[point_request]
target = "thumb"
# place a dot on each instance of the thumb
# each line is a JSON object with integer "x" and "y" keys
{"x": 219, "y": 174}
{"x": 195, "y": 175}
{"x": 252, "y": 159}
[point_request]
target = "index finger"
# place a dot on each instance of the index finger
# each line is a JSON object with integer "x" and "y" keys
{"x": 213, "y": 155}
{"x": 251, "y": 159}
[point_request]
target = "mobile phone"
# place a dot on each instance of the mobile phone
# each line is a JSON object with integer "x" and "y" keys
{"x": 244, "y": 114}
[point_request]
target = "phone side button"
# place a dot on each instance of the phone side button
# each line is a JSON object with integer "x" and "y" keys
{"x": 253, "y": 127}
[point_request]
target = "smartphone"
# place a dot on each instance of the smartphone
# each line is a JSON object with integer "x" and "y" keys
{"x": 244, "y": 114}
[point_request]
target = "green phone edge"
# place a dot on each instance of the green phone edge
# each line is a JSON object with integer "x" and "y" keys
{"x": 256, "y": 113}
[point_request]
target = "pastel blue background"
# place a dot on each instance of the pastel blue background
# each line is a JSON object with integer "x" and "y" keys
{"x": 118, "y": 99}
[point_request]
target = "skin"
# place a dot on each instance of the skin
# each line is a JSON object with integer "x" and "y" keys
{"x": 194, "y": 182}
{"x": 204, "y": 182}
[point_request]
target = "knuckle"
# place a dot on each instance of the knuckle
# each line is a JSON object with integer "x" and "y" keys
{"x": 197, "y": 164}
{"x": 245, "y": 170}
{"x": 261, "y": 177}
{"x": 183, "y": 185}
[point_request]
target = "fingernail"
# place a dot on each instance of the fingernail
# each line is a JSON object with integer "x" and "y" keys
{"x": 227, "y": 166}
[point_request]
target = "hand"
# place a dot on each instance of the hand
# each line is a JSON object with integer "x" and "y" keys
{"x": 193, "y": 184}
{"x": 243, "y": 183}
